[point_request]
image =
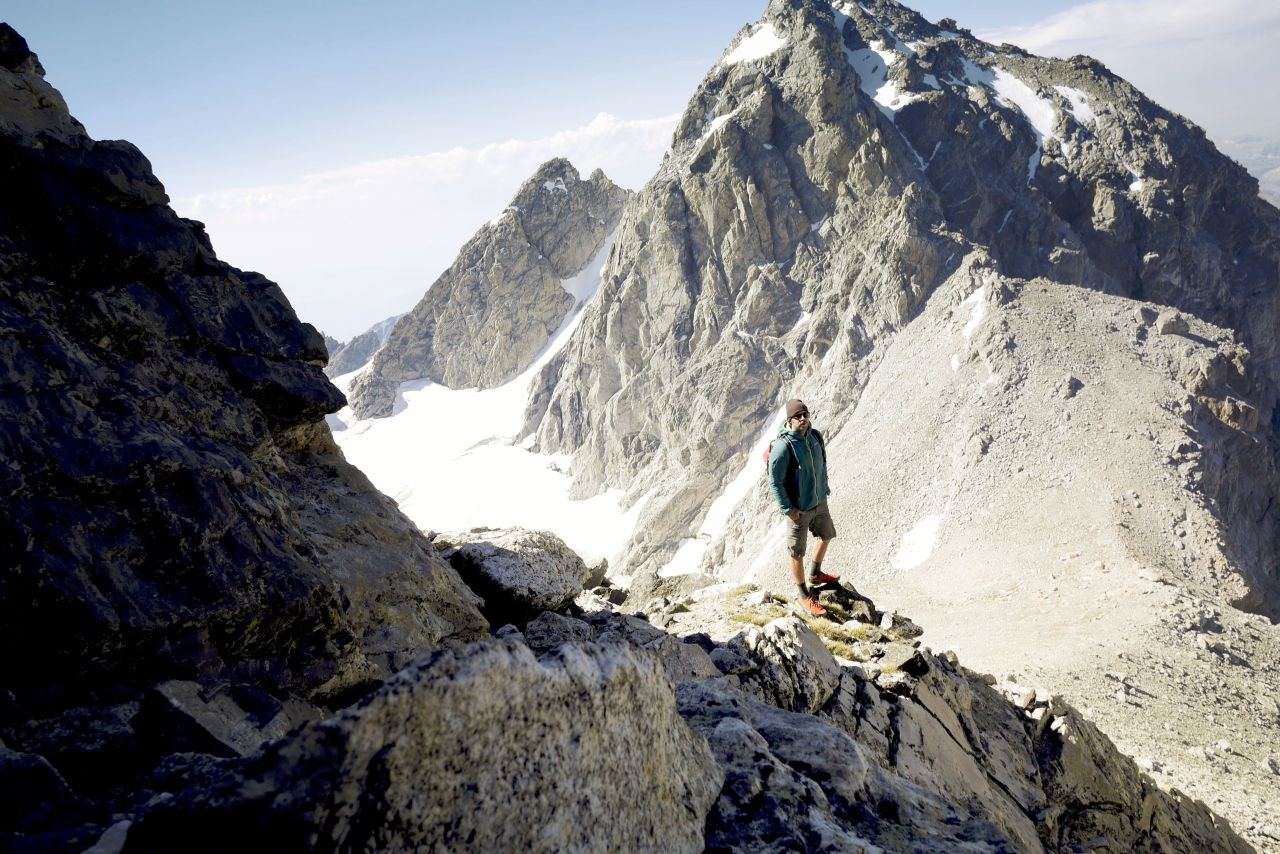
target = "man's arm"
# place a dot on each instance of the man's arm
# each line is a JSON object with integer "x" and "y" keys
{"x": 779, "y": 458}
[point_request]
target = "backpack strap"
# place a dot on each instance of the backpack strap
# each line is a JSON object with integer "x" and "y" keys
{"x": 822, "y": 443}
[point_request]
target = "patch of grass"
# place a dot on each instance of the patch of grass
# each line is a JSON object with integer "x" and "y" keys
{"x": 841, "y": 649}
{"x": 840, "y": 640}
{"x": 828, "y": 630}
{"x": 759, "y": 616}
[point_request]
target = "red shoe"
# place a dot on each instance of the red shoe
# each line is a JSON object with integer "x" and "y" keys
{"x": 823, "y": 578}
{"x": 811, "y": 605}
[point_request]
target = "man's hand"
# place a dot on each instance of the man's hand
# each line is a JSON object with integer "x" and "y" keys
{"x": 794, "y": 515}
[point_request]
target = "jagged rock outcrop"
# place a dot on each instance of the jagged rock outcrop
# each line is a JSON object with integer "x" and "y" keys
{"x": 934, "y": 759}
{"x": 356, "y": 353}
{"x": 796, "y": 670}
{"x": 175, "y": 507}
{"x": 489, "y": 315}
{"x": 483, "y": 747}
{"x": 911, "y": 751}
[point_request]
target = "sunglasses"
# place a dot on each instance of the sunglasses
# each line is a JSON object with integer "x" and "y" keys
{"x": 799, "y": 415}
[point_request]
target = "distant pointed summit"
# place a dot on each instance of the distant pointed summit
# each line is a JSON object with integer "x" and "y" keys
{"x": 489, "y": 315}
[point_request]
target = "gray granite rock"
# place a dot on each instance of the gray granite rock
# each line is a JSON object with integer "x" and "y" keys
{"x": 549, "y": 629}
{"x": 796, "y": 671}
{"x": 516, "y": 570}
{"x": 616, "y": 767}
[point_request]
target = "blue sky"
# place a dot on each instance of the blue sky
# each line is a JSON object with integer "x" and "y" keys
{"x": 245, "y": 92}
{"x": 241, "y": 105}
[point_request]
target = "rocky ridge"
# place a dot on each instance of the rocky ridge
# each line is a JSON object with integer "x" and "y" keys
{"x": 356, "y": 353}
{"x": 489, "y": 315}
{"x": 201, "y": 574}
{"x": 176, "y": 512}
{"x": 756, "y": 736}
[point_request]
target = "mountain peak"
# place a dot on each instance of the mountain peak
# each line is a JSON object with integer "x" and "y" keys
{"x": 15, "y": 55}
{"x": 489, "y": 315}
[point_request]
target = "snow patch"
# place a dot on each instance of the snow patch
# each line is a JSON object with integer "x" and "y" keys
{"x": 689, "y": 553}
{"x": 873, "y": 64}
{"x": 500, "y": 217}
{"x": 1138, "y": 183}
{"x": 718, "y": 122}
{"x": 764, "y": 41}
{"x": 715, "y": 124}
{"x": 467, "y": 439}
{"x": 584, "y": 285}
{"x": 687, "y": 558}
{"x": 955, "y": 362}
{"x": 917, "y": 544}
{"x": 978, "y": 301}
{"x": 1038, "y": 111}
{"x": 1079, "y": 105}
{"x": 976, "y": 75}
{"x": 556, "y": 186}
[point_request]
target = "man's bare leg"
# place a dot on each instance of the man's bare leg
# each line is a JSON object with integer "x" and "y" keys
{"x": 821, "y": 551}
{"x": 797, "y": 569}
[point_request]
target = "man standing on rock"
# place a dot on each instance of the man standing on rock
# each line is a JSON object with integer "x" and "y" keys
{"x": 798, "y": 477}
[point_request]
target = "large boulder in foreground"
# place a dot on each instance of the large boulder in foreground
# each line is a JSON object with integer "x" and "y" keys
{"x": 519, "y": 572}
{"x": 484, "y": 748}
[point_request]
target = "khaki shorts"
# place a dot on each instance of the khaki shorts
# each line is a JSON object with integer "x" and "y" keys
{"x": 816, "y": 521}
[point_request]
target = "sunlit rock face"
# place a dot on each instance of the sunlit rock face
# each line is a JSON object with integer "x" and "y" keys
{"x": 496, "y": 308}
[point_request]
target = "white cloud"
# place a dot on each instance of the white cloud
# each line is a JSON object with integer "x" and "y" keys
{"x": 354, "y": 245}
{"x": 1212, "y": 62}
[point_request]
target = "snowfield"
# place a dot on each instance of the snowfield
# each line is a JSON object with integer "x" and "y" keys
{"x": 452, "y": 460}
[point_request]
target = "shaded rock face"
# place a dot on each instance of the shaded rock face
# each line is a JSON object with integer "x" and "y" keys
{"x": 812, "y": 200}
{"x": 489, "y": 315}
{"x": 356, "y": 353}
{"x": 174, "y": 505}
{"x": 484, "y": 747}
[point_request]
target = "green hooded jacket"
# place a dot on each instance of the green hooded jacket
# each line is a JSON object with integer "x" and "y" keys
{"x": 798, "y": 470}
